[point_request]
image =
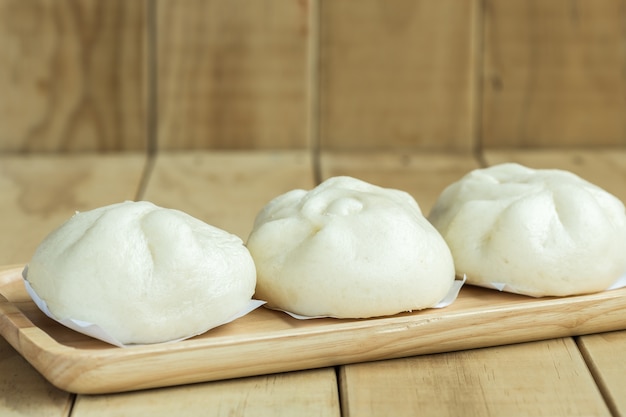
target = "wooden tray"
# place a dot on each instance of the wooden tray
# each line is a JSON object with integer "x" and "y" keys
{"x": 267, "y": 341}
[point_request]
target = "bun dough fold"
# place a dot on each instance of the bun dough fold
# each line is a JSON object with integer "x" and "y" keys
{"x": 143, "y": 273}
{"x": 348, "y": 249}
{"x": 538, "y": 232}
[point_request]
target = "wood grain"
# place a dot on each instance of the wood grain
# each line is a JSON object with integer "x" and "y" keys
{"x": 72, "y": 75}
{"x": 395, "y": 171}
{"x": 226, "y": 189}
{"x": 539, "y": 379}
{"x": 606, "y": 356}
{"x": 607, "y": 169}
{"x": 605, "y": 353}
{"x": 397, "y": 74}
{"x": 267, "y": 341}
{"x": 423, "y": 175}
{"x": 39, "y": 192}
{"x": 308, "y": 393}
{"x": 23, "y": 390}
{"x": 554, "y": 73}
{"x": 77, "y": 75}
{"x": 482, "y": 381}
{"x": 232, "y": 74}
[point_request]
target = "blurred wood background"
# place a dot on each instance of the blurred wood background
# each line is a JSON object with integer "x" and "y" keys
{"x": 453, "y": 76}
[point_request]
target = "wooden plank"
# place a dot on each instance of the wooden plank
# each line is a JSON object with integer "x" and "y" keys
{"x": 474, "y": 382}
{"x": 226, "y": 189}
{"x": 553, "y": 73}
{"x": 310, "y": 393}
{"x": 423, "y": 175}
{"x": 397, "y": 74}
{"x": 232, "y": 74}
{"x": 194, "y": 181}
{"x": 606, "y": 356}
{"x": 539, "y": 379}
{"x": 39, "y": 192}
{"x": 72, "y": 75}
{"x": 266, "y": 341}
{"x": 605, "y": 353}
{"x": 24, "y": 392}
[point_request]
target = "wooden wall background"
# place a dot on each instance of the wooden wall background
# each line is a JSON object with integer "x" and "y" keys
{"x": 447, "y": 75}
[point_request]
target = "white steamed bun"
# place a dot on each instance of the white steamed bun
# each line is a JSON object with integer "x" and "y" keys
{"x": 348, "y": 249}
{"x": 143, "y": 273}
{"x": 539, "y": 232}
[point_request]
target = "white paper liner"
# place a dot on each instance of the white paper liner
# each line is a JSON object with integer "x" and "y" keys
{"x": 97, "y": 332}
{"x": 500, "y": 286}
{"x": 452, "y": 295}
{"x": 620, "y": 283}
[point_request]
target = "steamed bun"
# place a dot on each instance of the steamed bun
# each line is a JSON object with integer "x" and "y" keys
{"x": 538, "y": 232}
{"x": 348, "y": 249}
{"x": 143, "y": 273}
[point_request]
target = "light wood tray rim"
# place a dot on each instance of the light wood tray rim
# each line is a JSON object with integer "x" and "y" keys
{"x": 479, "y": 318}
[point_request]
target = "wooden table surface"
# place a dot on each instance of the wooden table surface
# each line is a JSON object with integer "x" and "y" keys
{"x": 574, "y": 376}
